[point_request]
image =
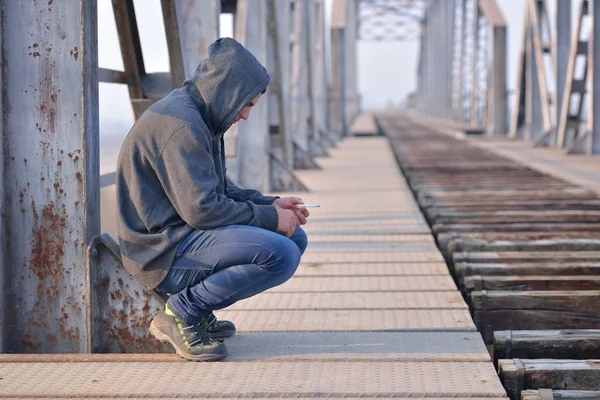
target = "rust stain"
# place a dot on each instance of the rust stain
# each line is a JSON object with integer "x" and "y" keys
{"x": 59, "y": 163}
{"x": 79, "y": 176}
{"x": 49, "y": 97}
{"x": 46, "y": 263}
{"x": 127, "y": 319}
{"x": 27, "y": 341}
{"x": 75, "y": 53}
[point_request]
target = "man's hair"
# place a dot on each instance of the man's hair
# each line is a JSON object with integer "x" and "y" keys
{"x": 264, "y": 91}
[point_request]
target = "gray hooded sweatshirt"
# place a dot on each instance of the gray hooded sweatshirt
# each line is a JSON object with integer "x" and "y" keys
{"x": 171, "y": 168}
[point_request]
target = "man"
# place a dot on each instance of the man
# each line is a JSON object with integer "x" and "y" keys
{"x": 185, "y": 231}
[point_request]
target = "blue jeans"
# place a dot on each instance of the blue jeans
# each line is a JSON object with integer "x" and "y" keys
{"x": 215, "y": 268}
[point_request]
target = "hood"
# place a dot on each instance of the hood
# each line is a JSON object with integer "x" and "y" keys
{"x": 227, "y": 80}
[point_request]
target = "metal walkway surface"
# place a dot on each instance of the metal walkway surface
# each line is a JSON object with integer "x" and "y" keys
{"x": 372, "y": 312}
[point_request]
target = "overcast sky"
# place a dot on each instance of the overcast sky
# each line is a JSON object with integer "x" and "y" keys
{"x": 387, "y": 71}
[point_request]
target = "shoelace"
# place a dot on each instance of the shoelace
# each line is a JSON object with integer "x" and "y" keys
{"x": 210, "y": 321}
{"x": 200, "y": 333}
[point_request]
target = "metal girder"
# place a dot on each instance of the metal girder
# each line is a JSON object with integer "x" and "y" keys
{"x": 568, "y": 134}
{"x": 462, "y": 64}
{"x": 390, "y": 20}
{"x": 532, "y": 113}
{"x": 50, "y": 174}
{"x": 593, "y": 126}
{"x": 187, "y": 40}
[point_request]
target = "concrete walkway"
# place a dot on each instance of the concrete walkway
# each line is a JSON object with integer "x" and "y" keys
{"x": 372, "y": 312}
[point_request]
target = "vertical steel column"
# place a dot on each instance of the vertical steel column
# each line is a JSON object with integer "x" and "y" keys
{"x": 519, "y": 111}
{"x": 562, "y": 45}
{"x": 351, "y": 36}
{"x": 320, "y": 75}
{"x": 252, "y": 161}
{"x": 427, "y": 58}
{"x": 594, "y": 76}
{"x": 422, "y": 65}
{"x": 336, "y": 82}
{"x": 461, "y": 64}
{"x": 433, "y": 103}
{"x": 278, "y": 50}
{"x": 3, "y": 237}
{"x": 445, "y": 65}
{"x": 437, "y": 66}
{"x": 338, "y": 72}
{"x": 498, "y": 75}
{"x": 344, "y": 89}
{"x": 529, "y": 81}
{"x": 198, "y": 27}
{"x": 474, "y": 74}
{"x": 450, "y": 10}
{"x": 432, "y": 57}
{"x": 312, "y": 66}
{"x": 298, "y": 78}
{"x": 51, "y": 175}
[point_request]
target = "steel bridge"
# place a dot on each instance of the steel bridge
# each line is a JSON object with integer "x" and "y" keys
{"x": 379, "y": 306}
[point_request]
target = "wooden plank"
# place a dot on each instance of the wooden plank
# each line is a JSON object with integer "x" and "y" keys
{"x": 531, "y": 310}
{"x": 451, "y": 245}
{"x": 512, "y": 217}
{"x": 519, "y": 374}
{"x": 498, "y": 205}
{"x": 514, "y": 256}
{"x": 551, "y": 268}
{"x": 516, "y": 227}
{"x": 517, "y": 236}
{"x": 531, "y": 282}
{"x": 509, "y": 194}
{"x": 558, "y": 344}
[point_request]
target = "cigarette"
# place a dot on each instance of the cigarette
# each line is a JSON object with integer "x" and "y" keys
{"x": 308, "y": 205}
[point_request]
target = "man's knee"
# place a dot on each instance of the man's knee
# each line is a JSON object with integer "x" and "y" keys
{"x": 288, "y": 258}
{"x": 299, "y": 237}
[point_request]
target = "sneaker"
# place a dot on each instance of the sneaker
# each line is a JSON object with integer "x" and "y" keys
{"x": 219, "y": 329}
{"x": 191, "y": 341}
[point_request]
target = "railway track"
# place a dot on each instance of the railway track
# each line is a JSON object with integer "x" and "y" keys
{"x": 523, "y": 248}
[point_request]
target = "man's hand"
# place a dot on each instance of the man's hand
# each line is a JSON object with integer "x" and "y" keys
{"x": 292, "y": 203}
{"x": 288, "y": 203}
{"x": 287, "y": 221}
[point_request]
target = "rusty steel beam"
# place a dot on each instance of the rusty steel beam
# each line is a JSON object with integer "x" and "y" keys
{"x": 51, "y": 174}
{"x": 176, "y": 61}
{"x": 111, "y": 76}
{"x": 3, "y": 237}
{"x": 122, "y": 308}
{"x": 131, "y": 48}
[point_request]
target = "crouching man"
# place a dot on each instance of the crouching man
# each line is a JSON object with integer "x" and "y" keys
{"x": 184, "y": 230}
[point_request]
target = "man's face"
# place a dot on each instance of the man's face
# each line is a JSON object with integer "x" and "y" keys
{"x": 245, "y": 113}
